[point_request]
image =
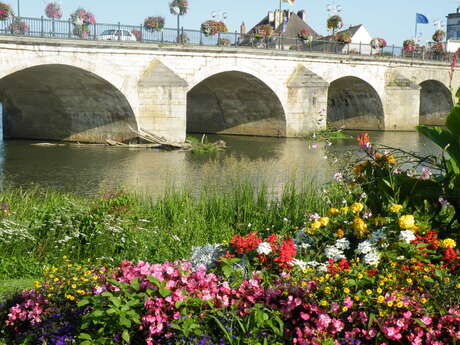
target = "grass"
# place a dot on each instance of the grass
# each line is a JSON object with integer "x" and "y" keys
{"x": 203, "y": 146}
{"x": 38, "y": 226}
{"x": 7, "y": 287}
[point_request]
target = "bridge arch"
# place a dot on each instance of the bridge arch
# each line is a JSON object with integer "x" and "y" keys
{"x": 435, "y": 102}
{"x": 58, "y": 101}
{"x": 234, "y": 102}
{"x": 353, "y": 103}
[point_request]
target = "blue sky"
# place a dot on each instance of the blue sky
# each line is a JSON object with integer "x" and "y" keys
{"x": 393, "y": 20}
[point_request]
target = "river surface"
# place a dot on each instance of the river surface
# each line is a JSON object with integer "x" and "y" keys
{"x": 90, "y": 170}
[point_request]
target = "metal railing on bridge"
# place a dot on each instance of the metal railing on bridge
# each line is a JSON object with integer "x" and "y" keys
{"x": 65, "y": 29}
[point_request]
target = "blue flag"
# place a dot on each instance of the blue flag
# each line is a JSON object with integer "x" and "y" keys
{"x": 421, "y": 19}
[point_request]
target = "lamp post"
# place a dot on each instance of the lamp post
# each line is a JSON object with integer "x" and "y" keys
{"x": 176, "y": 11}
{"x": 19, "y": 8}
{"x": 219, "y": 15}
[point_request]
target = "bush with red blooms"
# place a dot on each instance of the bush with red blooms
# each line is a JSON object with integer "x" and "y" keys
{"x": 273, "y": 253}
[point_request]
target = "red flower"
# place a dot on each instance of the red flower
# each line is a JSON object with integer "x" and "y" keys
{"x": 245, "y": 244}
{"x": 287, "y": 253}
{"x": 363, "y": 140}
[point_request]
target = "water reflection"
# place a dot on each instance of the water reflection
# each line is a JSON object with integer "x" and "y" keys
{"x": 92, "y": 169}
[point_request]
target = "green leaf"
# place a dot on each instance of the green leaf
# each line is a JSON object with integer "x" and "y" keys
{"x": 125, "y": 336}
{"x": 453, "y": 121}
{"x": 84, "y": 336}
{"x": 164, "y": 292}
{"x": 83, "y": 302}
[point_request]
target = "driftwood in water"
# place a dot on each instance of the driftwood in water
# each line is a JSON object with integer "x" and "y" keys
{"x": 118, "y": 144}
{"x": 153, "y": 138}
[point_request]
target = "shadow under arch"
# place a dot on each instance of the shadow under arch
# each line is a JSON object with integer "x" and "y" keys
{"x": 235, "y": 102}
{"x": 63, "y": 102}
{"x": 435, "y": 102}
{"x": 353, "y": 103}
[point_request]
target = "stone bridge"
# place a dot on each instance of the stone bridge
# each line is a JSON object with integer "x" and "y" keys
{"x": 90, "y": 91}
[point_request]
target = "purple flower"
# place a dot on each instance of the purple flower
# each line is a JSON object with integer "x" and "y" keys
{"x": 426, "y": 174}
{"x": 314, "y": 146}
{"x": 338, "y": 176}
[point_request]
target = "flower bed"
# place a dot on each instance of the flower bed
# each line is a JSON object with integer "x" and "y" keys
{"x": 18, "y": 27}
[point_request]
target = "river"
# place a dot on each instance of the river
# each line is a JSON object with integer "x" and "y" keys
{"x": 90, "y": 170}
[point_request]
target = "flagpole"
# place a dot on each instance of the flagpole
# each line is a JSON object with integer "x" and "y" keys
{"x": 415, "y": 37}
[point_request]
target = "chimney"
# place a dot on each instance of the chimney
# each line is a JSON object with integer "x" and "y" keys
{"x": 302, "y": 15}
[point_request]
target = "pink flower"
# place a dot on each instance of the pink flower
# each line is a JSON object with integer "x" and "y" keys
{"x": 347, "y": 302}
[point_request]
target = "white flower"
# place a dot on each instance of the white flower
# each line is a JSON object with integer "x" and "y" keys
{"x": 342, "y": 244}
{"x": 377, "y": 236}
{"x": 264, "y": 248}
{"x": 314, "y": 216}
{"x": 301, "y": 264}
{"x": 365, "y": 247}
{"x": 78, "y": 21}
{"x": 332, "y": 252}
{"x": 312, "y": 263}
{"x": 372, "y": 258}
{"x": 322, "y": 267}
{"x": 406, "y": 236}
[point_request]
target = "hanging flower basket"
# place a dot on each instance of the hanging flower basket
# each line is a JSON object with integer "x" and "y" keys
{"x": 53, "y": 10}
{"x": 408, "y": 45}
{"x": 343, "y": 37}
{"x": 18, "y": 27}
{"x": 305, "y": 36}
{"x": 212, "y": 27}
{"x": 81, "y": 20}
{"x": 263, "y": 31}
{"x": 5, "y": 11}
{"x": 154, "y": 23}
{"x": 378, "y": 43}
{"x": 439, "y": 35}
{"x": 181, "y": 4}
{"x": 334, "y": 22}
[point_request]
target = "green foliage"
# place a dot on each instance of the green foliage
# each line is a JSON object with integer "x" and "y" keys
{"x": 113, "y": 313}
{"x": 329, "y": 134}
{"x": 448, "y": 139}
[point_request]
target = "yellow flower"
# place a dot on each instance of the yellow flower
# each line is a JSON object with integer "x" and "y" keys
{"x": 95, "y": 277}
{"x": 409, "y": 281}
{"x": 457, "y": 286}
{"x": 423, "y": 300}
{"x": 359, "y": 168}
{"x": 340, "y": 233}
{"x": 407, "y": 221}
{"x": 56, "y": 279}
{"x": 74, "y": 286}
{"x": 37, "y": 285}
{"x": 344, "y": 210}
{"x": 346, "y": 290}
{"x": 380, "y": 299}
{"x": 357, "y": 207}
{"x": 323, "y": 303}
{"x": 448, "y": 243}
{"x": 390, "y": 159}
{"x": 379, "y": 290}
{"x": 396, "y": 208}
{"x": 345, "y": 309}
{"x": 400, "y": 304}
{"x": 379, "y": 221}
{"x": 315, "y": 225}
{"x": 360, "y": 227}
{"x": 360, "y": 276}
{"x": 333, "y": 211}
{"x": 356, "y": 298}
{"x": 324, "y": 221}
{"x": 369, "y": 291}
{"x": 390, "y": 303}
{"x": 327, "y": 290}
